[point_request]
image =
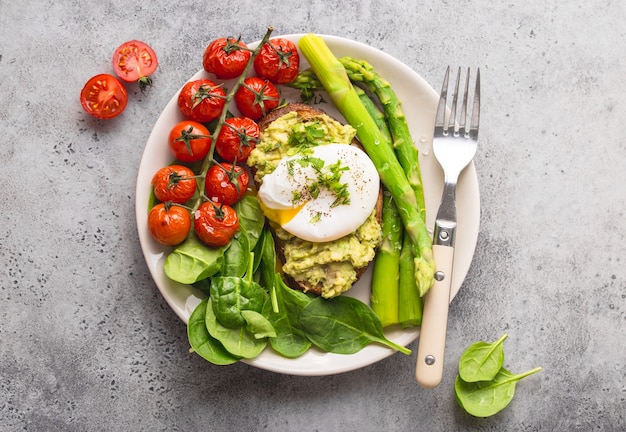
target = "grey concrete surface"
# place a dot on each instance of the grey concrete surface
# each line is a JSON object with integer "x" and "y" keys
{"x": 87, "y": 343}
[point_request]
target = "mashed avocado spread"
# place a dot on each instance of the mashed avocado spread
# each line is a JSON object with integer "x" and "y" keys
{"x": 331, "y": 265}
{"x": 290, "y": 134}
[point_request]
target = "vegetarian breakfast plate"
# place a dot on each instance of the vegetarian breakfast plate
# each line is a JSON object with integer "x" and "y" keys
{"x": 419, "y": 101}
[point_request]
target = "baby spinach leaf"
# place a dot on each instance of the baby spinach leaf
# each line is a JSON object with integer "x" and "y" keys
{"x": 258, "y": 325}
{"x": 193, "y": 261}
{"x": 343, "y": 325}
{"x": 486, "y": 398}
{"x": 268, "y": 266}
{"x": 481, "y": 361}
{"x": 258, "y": 252}
{"x": 203, "y": 285}
{"x": 290, "y": 341}
{"x": 202, "y": 343}
{"x": 237, "y": 255}
{"x": 231, "y": 295}
{"x": 250, "y": 217}
{"x": 238, "y": 341}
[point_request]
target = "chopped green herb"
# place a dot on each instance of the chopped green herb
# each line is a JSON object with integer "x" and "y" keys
{"x": 316, "y": 218}
{"x": 307, "y": 135}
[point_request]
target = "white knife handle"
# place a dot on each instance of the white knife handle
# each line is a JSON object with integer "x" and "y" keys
{"x": 432, "y": 339}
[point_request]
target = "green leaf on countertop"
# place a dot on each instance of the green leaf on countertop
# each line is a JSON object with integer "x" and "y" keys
{"x": 486, "y": 398}
{"x": 481, "y": 361}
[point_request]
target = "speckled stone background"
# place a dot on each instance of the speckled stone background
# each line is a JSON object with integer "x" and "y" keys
{"x": 87, "y": 343}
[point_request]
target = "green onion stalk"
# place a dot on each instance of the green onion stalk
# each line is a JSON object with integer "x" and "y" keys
{"x": 386, "y": 270}
{"x": 332, "y": 74}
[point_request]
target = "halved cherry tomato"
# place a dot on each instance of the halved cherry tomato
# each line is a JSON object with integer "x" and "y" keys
{"x": 215, "y": 224}
{"x": 135, "y": 61}
{"x": 226, "y": 57}
{"x": 174, "y": 183}
{"x": 278, "y": 61}
{"x": 256, "y": 97}
{"x": 104, "y": 97}
{"x": 201, "y": 100}
{"x": 237, "y": 139}
{"x": 226, "y": 183}
{"x": 189, "y": 141}
{"x": 169, "y": 224}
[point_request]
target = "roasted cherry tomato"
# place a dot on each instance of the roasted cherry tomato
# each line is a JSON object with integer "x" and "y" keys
{"x": 256, "y": 97}
{"x": 174, "y": 183}
{"x": 201, "y": 100}
{"x": 215, "y": 224}
{"x": 226, "y": 57}
{"x": 135, "y": 61}
{"x": 237, "y": 139}
{"x": 104, "y": 96}
{"x": 169, "y": 224}
{"x": 226, "y": 183}
{"x": 189, "y": 141}
{"x": 278, "y": 61}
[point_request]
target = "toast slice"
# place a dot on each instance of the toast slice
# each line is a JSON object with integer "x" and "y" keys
{"x": 316, "y": 267}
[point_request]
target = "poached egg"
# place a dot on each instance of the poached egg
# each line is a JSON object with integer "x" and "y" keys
{"x": 322, "y": 194}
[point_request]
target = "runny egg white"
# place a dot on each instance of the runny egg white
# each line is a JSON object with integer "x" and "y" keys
{"x": 321, "y": 195}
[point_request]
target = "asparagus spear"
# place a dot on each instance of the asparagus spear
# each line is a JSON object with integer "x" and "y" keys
{"x": 362, "y": 71}
{"x": 385, "y": 274}
{"x": 409, "y": 300}
{"x": 333, "y": 77}
{"x": 374, "y": 112}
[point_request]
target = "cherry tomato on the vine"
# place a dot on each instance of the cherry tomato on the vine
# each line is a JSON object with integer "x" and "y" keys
{"x": 215, "y": 224}
{"x": 174, "y": 183}
{"x": 226, "y": 183}
{"x": 226, "y": 57}
{"x": 189, "y": 141}
{"x": 135, "y": 61}
{"x": 278, "y": 61}
{"x": 201, "y": 100}
{"x": 169, "y": 223}
{"x": 237, "y": 139}
{"x": 256, "y": 97}
{"x": 103, "y": 97}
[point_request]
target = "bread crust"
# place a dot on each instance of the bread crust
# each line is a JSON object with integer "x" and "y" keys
{"x": 308, "y": 112}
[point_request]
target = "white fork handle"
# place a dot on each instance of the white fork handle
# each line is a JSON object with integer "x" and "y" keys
{"x": 432, "y": 339}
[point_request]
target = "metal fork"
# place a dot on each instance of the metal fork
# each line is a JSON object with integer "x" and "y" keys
{"x": 454, "y": 146}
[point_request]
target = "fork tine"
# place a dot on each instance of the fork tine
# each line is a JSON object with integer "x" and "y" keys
{"x": 463, "y": 118}
{"x": 441, "y": 108}
{"x": 455, "y": 97}
{"x": 475, "y": 108}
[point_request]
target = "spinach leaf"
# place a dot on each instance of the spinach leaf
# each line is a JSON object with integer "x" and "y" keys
{"x": 237, "y": 255}
{"x": 486, "y": 398}
{"x": 251, "y": 217}
{"x": 238, "y": 341}
{"x": 268, "y": 266}
{"x": 258, "y": 325}
{"x": 343, "y": 325}
{"x": 290, "y": 341}
{"x": 202, "y": 343}
{"x": 233, "y": 294}
{"x": 481, "y": 361}
{"x": 258, "y": 253}
{"x": 193, "y": 261}
{"x": 203, "y": 285}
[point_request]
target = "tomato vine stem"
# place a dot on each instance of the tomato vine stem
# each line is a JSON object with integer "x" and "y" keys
{"x": 210, "y": 159}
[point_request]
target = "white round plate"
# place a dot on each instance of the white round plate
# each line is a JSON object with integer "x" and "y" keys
{"x": 419, "y": 101}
